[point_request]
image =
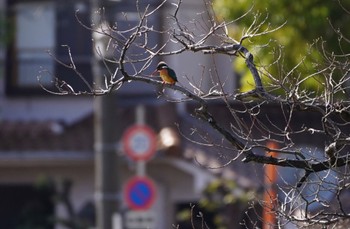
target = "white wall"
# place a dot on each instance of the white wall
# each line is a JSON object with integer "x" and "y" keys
{"x": 65, "y": 108}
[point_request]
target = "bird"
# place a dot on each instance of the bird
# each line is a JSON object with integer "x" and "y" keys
{"x": 167, "y": 74}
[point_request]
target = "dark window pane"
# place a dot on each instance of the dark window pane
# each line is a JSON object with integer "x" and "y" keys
{"x": 25, "y": 206}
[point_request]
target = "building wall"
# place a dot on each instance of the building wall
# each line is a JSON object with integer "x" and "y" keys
{"x": 37, "y": 104}
{"x": 203, "y": 70}
{"x": 174, "y": 183}
{"x": 17, "y": 171}
{"x": 61, "y": 108}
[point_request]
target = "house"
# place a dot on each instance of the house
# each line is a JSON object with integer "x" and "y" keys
{"x": 47, "y": 146}
{"x": 47, "y": 141}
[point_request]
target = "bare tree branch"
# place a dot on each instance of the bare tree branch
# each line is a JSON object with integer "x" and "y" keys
{"x": 250, "y": 128}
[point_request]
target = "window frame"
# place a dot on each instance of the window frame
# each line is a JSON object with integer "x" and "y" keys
{"x": 81, "y": 49}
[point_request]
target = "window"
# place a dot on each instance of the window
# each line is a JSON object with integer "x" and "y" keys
{"x": 41, "y": 26}
{"x": 35, "y": 33}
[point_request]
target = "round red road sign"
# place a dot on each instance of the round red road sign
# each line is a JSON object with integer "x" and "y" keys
{"x": 139, "y": 142}
{"x": 139, "y": 193}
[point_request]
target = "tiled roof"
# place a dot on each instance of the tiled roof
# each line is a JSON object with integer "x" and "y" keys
{"x": 53, "y": 135}
{"x": 49, "y": 135}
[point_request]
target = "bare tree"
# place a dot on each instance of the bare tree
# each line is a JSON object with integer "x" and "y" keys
{"x": 244, "y": 137}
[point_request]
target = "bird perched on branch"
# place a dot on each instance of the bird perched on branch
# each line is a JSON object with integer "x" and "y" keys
{"x": 167, "y": 74}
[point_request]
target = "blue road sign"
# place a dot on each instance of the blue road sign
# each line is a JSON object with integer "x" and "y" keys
{"x": 139, "y": 193}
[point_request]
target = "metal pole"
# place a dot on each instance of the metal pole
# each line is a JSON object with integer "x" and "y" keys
{"x": 107, "y": 182}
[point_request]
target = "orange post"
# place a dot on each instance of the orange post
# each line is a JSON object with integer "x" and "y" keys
{"x": 269, "y": 218}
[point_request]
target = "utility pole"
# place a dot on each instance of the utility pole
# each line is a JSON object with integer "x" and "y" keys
{"x": 107, "y": 182}
{"x": 106, "y": 174}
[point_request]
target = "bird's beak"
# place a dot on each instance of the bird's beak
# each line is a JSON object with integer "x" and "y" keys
{"x": 155, "y": 72}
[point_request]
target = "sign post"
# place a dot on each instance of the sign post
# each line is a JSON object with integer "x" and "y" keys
{"x": 139, "y": 144}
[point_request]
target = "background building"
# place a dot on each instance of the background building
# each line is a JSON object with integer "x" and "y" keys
{"x": 47, "y": 141}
